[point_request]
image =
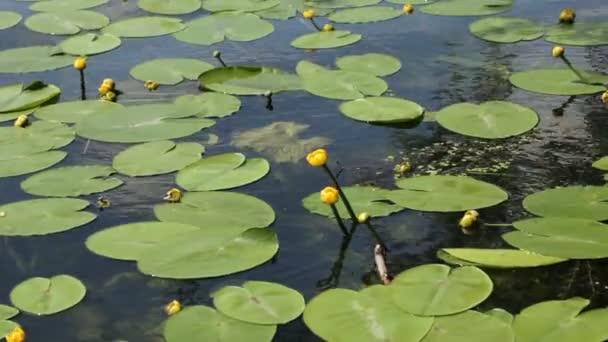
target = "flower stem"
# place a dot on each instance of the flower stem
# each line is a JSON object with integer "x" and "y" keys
{"x": 377, "y": 237}
{"x": 219, "y": 58}
{"x": 578, "y": 74}
{"x": 83, "y": 95}
{"x": 339, "y": 219}
{"x": 314, "y": 23}
{"x": 351, "y": 213}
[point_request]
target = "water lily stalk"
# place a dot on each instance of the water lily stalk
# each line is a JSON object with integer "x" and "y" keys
{"x": 314, "y": 23}
{"x": 268, "y": 95}
{"x": 83, "y": 89}
{"x": 349, "y": 208}
{"x": 377, "y": 237}
{"x": 339, "y": 219}
{"x": 381, "y": 268}
{"x": 571, "y": 67}
{"x": 218, "y": 56}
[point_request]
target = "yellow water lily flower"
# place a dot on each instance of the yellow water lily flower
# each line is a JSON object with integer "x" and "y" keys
{"x": 330, "y": 195}
{"x": 408, "y": 8}
{"x": 103, "y": 203}
{"x": 173, "y": 307}
{"x": 469, "y": 219}
{"x": 567, "y": 16}
{"x": 21, "y": 121}
{"x": 80, "y": 63}
{"x": 473, "y": 213}
{"x": 174, "y": 195}
{"x": 109, "y": 96}
{"x": 317, "y": 157}
{"x": 605, "y": 97}
{"x": 151, "y": 85}
{"x": 309, "y": 13}
{"x": 558, "y": 51}
{"x": 104, "y": 89}
{"x": 363, "y": 217}
{"x": 109, "y": 83}
{"x": 17, "y": 335}
{"x": 328, "y": 28}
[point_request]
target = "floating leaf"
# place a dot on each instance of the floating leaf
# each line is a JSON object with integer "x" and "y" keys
{"x": 203, "y": 324}
{"x": 170, "y": 7}
{"x": 501, "y": 258}
{"x": 9, "y": 19}
{"x": 16, "y": 97}
{"x": 373, "y": 63}
{"x": 558, "y": 81}
{"x": 147, "y": 26}
{"x": 579, "y": 34}
{"x": 40, "y": 136}
{"x": 506, "y": 29}
{"x": 469, "y": 326}
{"x": 210, "y": 105}
{"x": 215, "y": 28}
{"x": 238, "y": 5}
{"x": 438, "y": 290}
{"x": 259, "y": 302}
{"x": 202, "y": 256}
{"x": 89, "y": 44}
{"x": 28, "y": 163}
{"x": 446, "y": 193}
{"x": 340, "y": 315}
{"x": 601, "y": 164}
{"x": 222, "y": 171}
{"x": 74, "y": 111}
{"x": 367, "y": 199}
{"x": 7, "y": 312}
{"x": 66, "y": 5}
{"x": 363, "y": 15}
{"x": 33, "y": 59}
{"x": 10, "y": 116}
{"x": 467, "y": 7}
{"x": 284, "y": 10}
{"x": 326, "y": 40}
{"x": 170, "y": 70}
{"x": 488, "y": 120}
{"x": 588, "y": 202}
{"x": 6, "y": 327}
{"x": 157, "y": 158}
{"x": 412, "y": 2}
{"x": 340, "y": 3}
{"x": 501, "y": 314}
{"x": 386, "y": 110}
{"x": 249, "y": 80}
{"x": 71, "y": 181}
{"x": 129, "y": 241}
{"x": 47, "y": 296}
{"x": 66, "y": 22}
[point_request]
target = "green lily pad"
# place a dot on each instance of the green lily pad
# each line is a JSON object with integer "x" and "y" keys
{"x": 446, "y": 193}
{"x": 71, "y": 181}
{"x": 386, "y": 110}
{"x": 579, "y": 34}
{"x": 601, "y": 164}
{"x": 202, "y": 256}
{"x": 43, "y": 216}
{"x": 66, "y": 22}
{"x": 170, "y": 70}
{"x": 211, "y": 105}
{"x": 230, "y": 211}
{"x": 363, "y": 15}
{"x": 488, "y": 120}
{"x": 367, "y": 199}
{"x": 66, "y": 5}
{"x": 90, "y": 44}
{"x": 47, "y": 296}
{"x": 238, "y": 5}
{"x": 16, "y": 97}
{"x": 501, "y": 258}
{"x": 170, "y": 7}
{"x": 7, "y": 312}
{"x": 157, "y": 158}
{"x": 469, "y": 326}
{"x": 40, "y": 136}
{"x": 259, "y": 302}
{"x": 6, "y": 327}
{"x": 141, "y": 123}
{"x": 561, "y": 237}
{"x": 340, "y": 3}
{"x": 203, "y": 324}
{"x": 501, "y": 314}
{"x": 9, "y": 19}
{"x": 28, "y": 163}
{"x": 411, "y": 2}
{"x": 326, "y": 40}
{"x": 284, "y": 10}
{"x": 373, "y": 63}
{"x": 561, "y": 321}
{"x": 33, "y": 59}
{"x": 74, "y": 111}
{"x": 467, "y": 7}
{"x": 10, "y": 116}
{"x": 129, "y": 241}
{"x": 147, "y": 26}
{"x": 438, "y": 290}
{"x": 586, "y": 202}
{"x": 341, "y": 315}
{"x": 249, "y": 80}
{"x": 558, "y": 81}
{"x": 222, "y": 171}
{"x": 215, "y": 28}
{"x": 506, "y": 29}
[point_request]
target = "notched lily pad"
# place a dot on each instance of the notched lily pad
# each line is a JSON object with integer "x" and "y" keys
{"x": 586, "y": 202}
{"x": 579, "y": 34}
{"x": 559, "y": 81}
{"x": 74, "y": 111}
{"x": 170, "y": 7}
{"x": 363, "y": 15}
{"x": 156, "y": 158}
{"x": 377, "y": 64}
{"x": 47, "y": 296}
{"x": 325, "y": 40}
{"x": 467, "y": 7}
{"x": 66, "y": 22}
{"x": 385, "y": 110}
{"x": 506, "y": 29}
{"x": 17, "y": 97}
{"x": 210, "y": 105}
{"x": 9, "y": 19}
{"x": 90, "y": 44}
{"x": 71, "y": 181}
{"x": 147, "y": 26}
{"x": 499, "y": 258}
{"x": 33, "y": 59}
{"x": 469, "y": 326}
{"x": 170, "y": 70}
{"x": 66, "y": 5}
{"x": 215, "y": 28}
{"x": 249, "y": 80}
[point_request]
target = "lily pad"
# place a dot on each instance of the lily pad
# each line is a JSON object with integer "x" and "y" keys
{"x": 211, "y": 105}
{"x": 170, "y": 70}
{"x": 284, "y": 10}
{"x": 601, "y": 164}
{"x": 71, "y": 181}
{"x": 16, "y": 97}
{"x": 579, "y": 34}
{"x": 222, "y": 171}
{"x": 40, "y": 136}
{"x": 203, "y": 324}
{"x": 157, "y": 158}
{"x": 561, "y": 237}
{"x": 467, "y": 7}
{"x": 9, "y": 19}
{"x": 215, "y": 28}
{"x": 74, "y": 111}
{"x": 446, "y": 193}
{"x": 326, "y": 40}
{"x": 501, "y": 258}
{"x": 90, "y": 44}
{"x": 386, "y": 110}
{"x": 259, "y": 302}
{"x": 488, "y": 120}
{"x": 469, "y": 326}
{"x": 340, "y": 3}
{"x": 147, "y": 26}
{"x": 202, "y": 256}
{"x": 66, "y": 22}
{"x": 412, "y": 2}
{"x": 506, "y": 29}
{"x": 170, "y": 7}
{"x": 362, "y": 198}
{"x": 6, "y": 327}
{"x": 341, "y": 315}
{"x": 43, "y": 216}
{"x": 587, "y": 202}
{"x": 363, "y": 15}
{"x": 28, "y": 163}
{"x": 7, "y": 312}
{"x": 558, "y": 81}
{"x": 10, "y": 116}
{"x": 66, "y": 5}
{"x": 47, "y": 296}
{"x": 238, "y": 5}
{"x": 249, "y": 80}
{"x": 438, "y": 290}
{"x": 129, "y": 241}
{"x": 373, "y": 63}
{"x": 33, "y": 59}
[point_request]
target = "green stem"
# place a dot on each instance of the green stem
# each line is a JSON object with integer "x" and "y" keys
{"x": 83, "y": 95}
{"x": 339, "y": 219}
{"x": 578, "y": 74}
{"x": 342, "y": 195}
{"x": 314, "y": 23}
{"x": 376, "y": 236}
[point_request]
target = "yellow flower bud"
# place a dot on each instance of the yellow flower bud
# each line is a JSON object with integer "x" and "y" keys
{"x": 80, "y": 63}
{"x": 109, "y": 83}
{"x": 109, "y": 96}
{"x": 558, "y": 51}
{"x": 467, "y": 221}
{"x": 317, "y": 157}
{"x": 328, "y": 28}
{"x": 363, "y": 217}
{"x": 567, "y": 16}
{"x": 605, "y": 97}
{"x": 21, "y": 121}
{"x": 408, "y": 8}
{"x": 173, "y": 307}
{"x": 17, "y": 335}
{"x": 309, "y": 13}
{"x": 151, "y": 85}
{"x": 104, "y": 89}
{"x": 473, "y": 213}
{"x": 330, "y": 195}
{"x": 174, "y": 195}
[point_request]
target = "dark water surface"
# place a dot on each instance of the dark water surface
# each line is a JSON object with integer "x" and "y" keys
{"x": 442, "y": 64}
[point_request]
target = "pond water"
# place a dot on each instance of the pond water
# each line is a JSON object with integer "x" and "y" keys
{"x": 442, "y": 64}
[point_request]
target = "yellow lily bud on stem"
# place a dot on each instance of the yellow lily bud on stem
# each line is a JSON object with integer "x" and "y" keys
{"x": 328, "y": 28}
{"x": 151, "y": 85}
{"x": 108, "y": 83}
{"x": 80, "y": 64}
{"x": 604, "y": 97}
{"x": 218, "y": 56}
{"x": 173, "y": 307}
{"x": 468, "y": 221}
{"x": 174, "y": 195}
{"x": 567, "y": 16}
{"x": 110, "y": 96}
{"x": 21, "y": 121}
{"x": 17, "y": 335}
{"x": 408, "y": 9}
{"x": 317, "y": 157}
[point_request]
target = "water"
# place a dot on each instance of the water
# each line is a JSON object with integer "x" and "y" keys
{"x": 123, "y": 304}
